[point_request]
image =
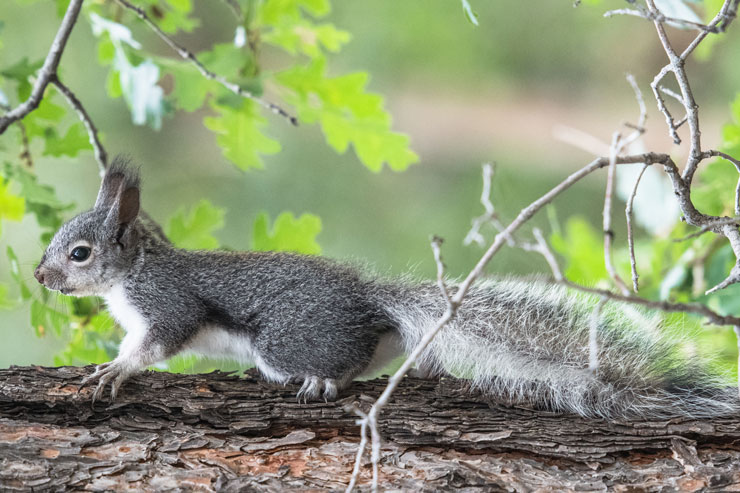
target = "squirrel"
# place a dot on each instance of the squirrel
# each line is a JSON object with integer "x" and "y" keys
{"x": 325, "y": 323}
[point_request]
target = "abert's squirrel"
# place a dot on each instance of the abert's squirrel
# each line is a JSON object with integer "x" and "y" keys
{"x": 326, "y": 323}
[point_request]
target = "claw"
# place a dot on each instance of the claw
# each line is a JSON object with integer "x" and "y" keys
{"x": 105, "y": 374}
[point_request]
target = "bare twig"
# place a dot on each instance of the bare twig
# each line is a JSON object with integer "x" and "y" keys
{"x": 543, "y": 249}
{"x": 607, "y": 215}
{"x": 663, "y": 18}
{"x": 100, "y": 155}
{"x": 672, "y": 125}
{"x": 490, "y": 216}
{"x": 671, "y": 93}
{"x": 188, "y": 55}
{"x": 48, "y": 69}
{"x": 639, "y": 129}
{"x": 25, "y": 154}
{"x": 235, "y": 7}
{"x": 630, "y": 232}
{"x": 710, "y": 227}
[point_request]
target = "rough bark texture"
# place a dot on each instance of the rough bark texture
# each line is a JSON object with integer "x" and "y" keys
{"x": 227, "y": 433}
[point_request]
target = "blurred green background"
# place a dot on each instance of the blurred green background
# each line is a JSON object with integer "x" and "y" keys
{"x": 465, "y": 95}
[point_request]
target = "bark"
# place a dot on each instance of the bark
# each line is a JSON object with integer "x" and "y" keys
{"x": 222, "y": 432}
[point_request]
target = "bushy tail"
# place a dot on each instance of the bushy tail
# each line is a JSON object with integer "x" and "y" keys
{"x": 528, "y": 342}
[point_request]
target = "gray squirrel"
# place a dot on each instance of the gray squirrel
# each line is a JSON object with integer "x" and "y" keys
{"x": 311, "y": 319}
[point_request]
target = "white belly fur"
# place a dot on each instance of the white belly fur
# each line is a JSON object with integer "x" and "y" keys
{"x": 216, "y": 342}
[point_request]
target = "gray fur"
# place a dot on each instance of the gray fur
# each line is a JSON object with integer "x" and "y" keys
{"x": 324, "y": 323}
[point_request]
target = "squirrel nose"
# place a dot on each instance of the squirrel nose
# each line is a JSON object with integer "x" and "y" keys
{"x": 39, "y": 275}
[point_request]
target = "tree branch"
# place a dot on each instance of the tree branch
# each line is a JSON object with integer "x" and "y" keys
{"x": 101, "y": 156}
{"x": 219, "y": 432}
{"x": 188, "y": 55}
{"x": 48, "y": 69}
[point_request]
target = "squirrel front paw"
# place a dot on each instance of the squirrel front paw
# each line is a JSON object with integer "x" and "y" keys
{"x": 113, "y": 372}
{"x": 312, "y": 387}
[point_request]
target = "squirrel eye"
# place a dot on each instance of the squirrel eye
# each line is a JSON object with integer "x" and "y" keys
{"x": 80, "y": 254}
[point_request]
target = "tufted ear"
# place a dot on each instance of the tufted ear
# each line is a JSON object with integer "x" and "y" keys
{"x": 109, "y": 189}
{"x": 119, "y": 196}
{"x": 119, "y": 177}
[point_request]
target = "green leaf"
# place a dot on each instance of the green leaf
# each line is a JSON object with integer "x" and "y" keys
{"x": 12, "y": 207}
{"x": 15, "y": 273}
{"x": 62, "y": 7}
{"x": 468, "y": 10}
{"x": 41, "y": 200}
{"x": 239, "y": 136}
{"x": 21, "y": 70}
{"x": 288, "y": 233}
{"x": 273, "y": 12}
{"x": 172, "y": 15}
{"x": 182, "y": 363}
{"x": 5, "y": 303}
{"x": 307, "y": 38}
{"x": 583, "y": 250}
{"x": 194, "y": 230}
{"x": 347, "y": 115}
{"x": 227, "y": 60}
{"x": 191, "y": 88}
{"x": 75, "y": 140}
{"x": 94, "y": 342}
{"x": 47, "y": 115}
{"x": 43, "y": 317}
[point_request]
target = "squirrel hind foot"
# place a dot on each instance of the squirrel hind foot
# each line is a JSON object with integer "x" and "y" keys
{"x": 313, "y": 386}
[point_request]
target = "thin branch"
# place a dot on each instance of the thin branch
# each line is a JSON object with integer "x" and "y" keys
{"x": 721, "y": 21}
{"x": 710, "y": 227}
{"x": 580, "y": 140}
{"x": 640, "y": 127}
{"x": 25, "y": 154}
{"x": 671, "y": 93}
{"x": 663, "y": 18}
{"x": 664, "y": 306}
{"x": 607, "y": 214}
{"x": 188, "y": 55}
{"x": 670, "y": 122}
{"x": 543, "y": 249}
{"x": 100, "y": 155}
{"x": 48, "y": 69}
{"x": 235, "y": 7}
{"x": 630, "y": 233}
{"x": 490, "y": 216}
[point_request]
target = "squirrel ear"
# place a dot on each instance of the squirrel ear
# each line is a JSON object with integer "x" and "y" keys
{"x": 128, "y": 206}
{"x": 109, "y": 189}
{"x": 123, "y": 211}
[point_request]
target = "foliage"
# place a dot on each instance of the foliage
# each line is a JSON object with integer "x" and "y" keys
{"x": 341, "y": 105}
{"x": 673, "y": 268}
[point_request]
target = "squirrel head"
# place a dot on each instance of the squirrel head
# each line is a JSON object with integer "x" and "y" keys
{"x": 96, "y": 249}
